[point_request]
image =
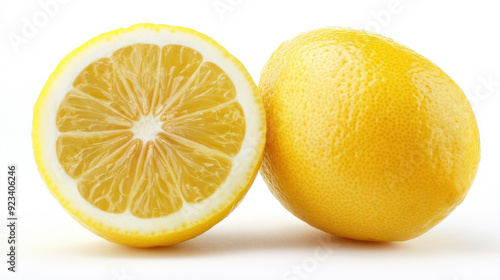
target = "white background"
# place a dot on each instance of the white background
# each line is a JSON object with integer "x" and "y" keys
{"x": 260, "y": 239}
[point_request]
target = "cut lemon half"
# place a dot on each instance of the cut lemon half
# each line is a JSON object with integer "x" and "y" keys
{"x": 149, "y": 135}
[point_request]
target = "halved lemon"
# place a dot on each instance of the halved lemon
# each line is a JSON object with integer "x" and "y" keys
{"x": 149, "y": 135}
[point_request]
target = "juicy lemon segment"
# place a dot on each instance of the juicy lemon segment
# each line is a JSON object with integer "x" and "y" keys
{"x": 152, "y": 130}
{"x": 192, "y": 105}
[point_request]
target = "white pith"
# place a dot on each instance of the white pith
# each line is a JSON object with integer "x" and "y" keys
{"x": 147, "y": 128}
{"x": 191, "y": 214}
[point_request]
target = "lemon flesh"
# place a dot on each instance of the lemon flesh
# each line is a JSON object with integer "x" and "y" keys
{"x": 116, "y": 170}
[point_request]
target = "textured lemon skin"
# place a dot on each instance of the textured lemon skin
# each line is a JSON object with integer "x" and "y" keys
{"x": 111, "y": 233}
{"x": 366, "y": 139}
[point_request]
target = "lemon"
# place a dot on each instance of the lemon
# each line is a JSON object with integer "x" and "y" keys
{"x": 149, "y": 135}
{"x": 366, "y": 139}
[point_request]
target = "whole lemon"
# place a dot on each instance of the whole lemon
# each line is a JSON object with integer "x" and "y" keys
{"x": 366, "y": 139}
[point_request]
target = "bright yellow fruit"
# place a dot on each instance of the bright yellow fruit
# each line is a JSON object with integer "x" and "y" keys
{"x": 366, "y": 139}
{"x": 149, "y": 135}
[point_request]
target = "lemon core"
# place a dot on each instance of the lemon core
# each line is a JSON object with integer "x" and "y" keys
{"x": 147, "y": 128}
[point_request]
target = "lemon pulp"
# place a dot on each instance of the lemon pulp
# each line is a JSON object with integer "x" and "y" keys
{"x": 148, "y": 129}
